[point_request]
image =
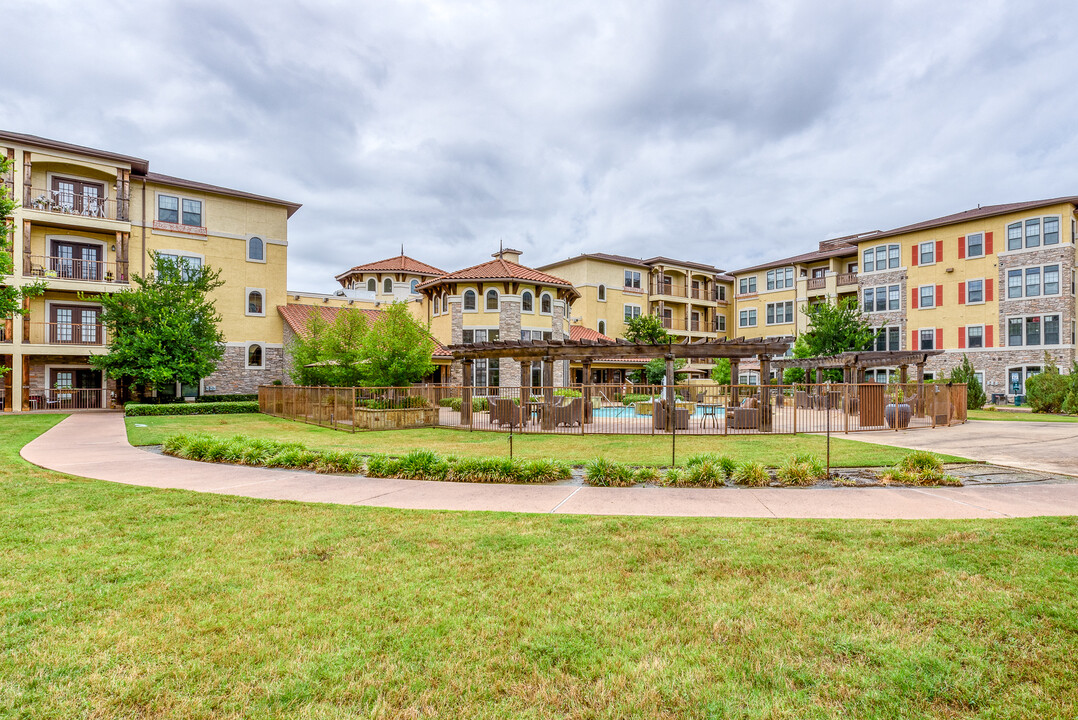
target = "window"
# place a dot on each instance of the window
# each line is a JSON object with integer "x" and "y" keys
{"x": 974, "y": 245}
{"x": 780, "y": 313}
{"x": 546, "y": 304}
{"x": 881, "y": 257}
{"x": 975, "y": 291}
{"x": 192, "y": 212}
{"x": 747, "y": 286}
{"x": 1051, "y": 329}
{"x": 632, "y": 280}
{"x": 926, "y": 296}
{"x": 1034, "y": 231}
{"x": 168, "y": 208}
{"x": 888, "y": 338}
{"x": 1033, "y": 330}
{"x": 254, "y": 302}
{"x": 255, "y": 249}
{"x": 747, "y": 318}
{"x": 1014, "y": 332}
{"x": 492, "y": 300}
{"x": 1014, "y": 236}
{"x": 927, "y": 254}
{"x": 445, "y": 302}
{"x": 779, "y": 279}
{"x": 527, "y": 301}
{"x": 631, "y": 311}
{"x": 722, "y": 293}
{"x": 188, "y": 264}
{"x": 602, "y": 293}
{"x": 1042, "y": 280}
{"x": 1051, "y": 279}
{"x": 372, "y": 285}
{"x": 602, "y": 327}
{"x": 1033, "y": 282}
{"x": 469, "y": 300}
{"x": 255, "y": 356}
{"x": 928, "y": 340}
{"x": 412, "y": 287}
{"x": 722, "y": 323}
{"x": 1014, "y": 284}
{"x": 882, "y": 298}
{"x": 975, "y": 336}
{"x": 387, "y": 286}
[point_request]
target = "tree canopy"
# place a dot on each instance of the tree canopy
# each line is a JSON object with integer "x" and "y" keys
{"x": 654, "y": 372}
{"x": 647, "y": 330}
{"x": 393, "y": 350}
{"x": 164, "y": 330}
{"x": 965, "y": 373}
{"x": 836, "y": 328}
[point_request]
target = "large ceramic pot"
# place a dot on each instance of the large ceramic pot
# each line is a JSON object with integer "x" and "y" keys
{"x": 899, "y": 414}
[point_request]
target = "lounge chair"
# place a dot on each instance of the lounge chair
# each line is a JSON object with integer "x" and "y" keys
{"x": 504, "y": 411}
{"x": 658, "y": 414}
{"x": 569, "y": 413}
{"x": 745, "y": 416}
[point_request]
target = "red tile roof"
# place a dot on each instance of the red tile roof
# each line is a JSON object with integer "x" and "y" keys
{"x": 974, "y": 214}
{"x": 298, "y": 317}
{"x": 579, "y": 332}
{"x": 400, "y": 263}
{"x": 637, "y": 262}
{"x": 500, "y": 269}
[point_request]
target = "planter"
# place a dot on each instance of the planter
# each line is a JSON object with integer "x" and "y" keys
{"x": 366, "y": 419}
{"x": 899, "y": 414}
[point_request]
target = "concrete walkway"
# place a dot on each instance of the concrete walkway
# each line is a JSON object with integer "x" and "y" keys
{"x": 1046, "y": 446}
{"x": 95, "y": 446}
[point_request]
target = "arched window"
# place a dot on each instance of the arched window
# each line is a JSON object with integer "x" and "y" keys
{"x": 254, "y": 356}
{"x": 254, "y": 303}
{"x": 445, "y": 302}
{"x": 602, "y": 293}
{"x": 413, "y": 285}
{"x": 256, "y": 249}
{"x": 546, "y": 304}
{"x": 387, "y": 286}
{"x": 602, "y": 327}
{"x": 492, "y": 299}
{"x": 526, "y": 301}
{"x": 372, "y": 285}
{"x": 469, "y": 299}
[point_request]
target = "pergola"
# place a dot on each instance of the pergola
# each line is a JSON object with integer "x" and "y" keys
{"x": 586, "y": 351}
{"x": 854, "y": 364}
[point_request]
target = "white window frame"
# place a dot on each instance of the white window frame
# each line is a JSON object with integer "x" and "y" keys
{"x": 745, "y": 282}
{"x": 247, "y": 356}
{"x": 497, "y": 301}
{"x": 179, "y": 211}
{"x": 181, "y": 254}
{"x": 887, "y": 294}
{"x": 412, "y": 285}
{"x": 546, "y": 295}
{"x": 632, "y": 311}
{"x": 247, "y": 301}
{"x": 372, "y": 281}
{"x": 965, "y": 240}
{"x": 967, "y": 329}
{"x": 1040, "y": 228}
{"x": 391, "y": 286}
{"x": 748, "y": 313}
{"x": 984, "y": 286}
{"x": 773, "y": 310}
{"x": 634, "y": 280}
{"x": 886, "y": 257}
{"x": 264, "y": 249}
{"x": 600, "y": 293}
{"x": 601, "y": 327}
{"x": 1025, "y": 335}
{"x": 722, "y": 323}
{"x": 921, "y": 297}
{"x": 920, "y": 334}
{"x": 931, "y": 245}
{"x": 531, "y": 295}
{"x": 463, "y": 301}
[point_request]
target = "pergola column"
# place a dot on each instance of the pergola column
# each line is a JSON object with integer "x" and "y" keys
{"x": 735, "y": 370}
{"x": 765, "y": 393}
{"x": 903, "y": 374}
{"x": 548, "y": 393}
{"x": 466, "y": 394}
{"x": 585, "y": 390}
{"x": 671, "y": 397}
{"x": 919, "y": 410}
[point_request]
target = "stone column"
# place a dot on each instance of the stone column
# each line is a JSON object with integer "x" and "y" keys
{"x": 559, "y": 331}
{"x": 765, "y": 393}
{"x": 456, "y": 336}
{"x": 919, "y": 410}
{"x": 585, "y": 389}
{"x": 466, "y": 394}
{"x": 509, "y": 329}
{"x": 548, "y": 393}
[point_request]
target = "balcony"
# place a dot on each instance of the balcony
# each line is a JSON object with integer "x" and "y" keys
{"x": 65, "y": 398}
{"x": 86, "y": 204}
{"x": 82, "y": 334}
{"x": 680, "y": 291}
{"x": 847, "y": 279}
{"x": 817, "y": 283}
{"x": 69, "y": 268}
{"x": 696, "y": 326}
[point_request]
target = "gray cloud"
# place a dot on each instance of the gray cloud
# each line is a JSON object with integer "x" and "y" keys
{"x": 725, "y": 132}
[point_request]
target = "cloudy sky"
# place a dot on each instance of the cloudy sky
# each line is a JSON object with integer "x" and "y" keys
{"x": 726, "y": 132}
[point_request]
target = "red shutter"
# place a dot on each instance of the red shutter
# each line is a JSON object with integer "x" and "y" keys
{"x": 939, "y": 338}
{"x": 961, "y": 293}
{"x": 913, "y": 340}
{"x": 939, "y": 296}
{"x": 913, "y": 302}
{"x": 988, "y": 243}
{"x": 988, "y": 289}
{"x": 939, "y": 251}
{"x": 915, "y": 248}
{"x": 961, "y": 337}
{"x": 988, "y": 335}
{"x": 962, "y": 248}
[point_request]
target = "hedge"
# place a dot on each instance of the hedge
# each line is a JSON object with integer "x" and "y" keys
{"x": 226, "y": 398}
{"x": 206, "y": 408}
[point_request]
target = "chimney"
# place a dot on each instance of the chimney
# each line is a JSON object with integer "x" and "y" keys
{"x": 509, "y": 254}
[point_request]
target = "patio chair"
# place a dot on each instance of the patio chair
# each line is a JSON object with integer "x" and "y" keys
{"x": 658, "y": 415}
{"x": 568, "y": 413}
{"x": 745, "y": 416}
{"x": 801, "y": 399}
{"x": 504, "y": 411}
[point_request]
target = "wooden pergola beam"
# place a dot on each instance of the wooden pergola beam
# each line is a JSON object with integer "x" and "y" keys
{"x": 876, "y": 358}
{"x": 618, "y": 350}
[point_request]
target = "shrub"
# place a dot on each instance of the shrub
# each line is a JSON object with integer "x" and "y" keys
{"x": 568, "y": 392}
{"x": 646, "y": 475}
{"x": 724, "y": 463}
{"x": 704, "y": 473}
{"x": 920, "y": 461}
{"x": 607, "y": 473}
{"x": 965, "y": 373}
{"x": 206, "y": 408}
{"x": 542, "y": 471}
{"x": 423, "y": 465}
{"x": 402, "y": 403}
{"x": 1046, "y": 391}
{"x": 337, "y": 462}
{"x": 794, "y": 472}
{"x": 634, "y": 398}
{"x": 382, "y": 466}
{"x": 674, "y": 476}
{"x": 478, "y": 404}
{"x": 918, "y": 468}
{"x": 1070, "y": 403}
{"x": 752, "y": 474}
{"x": 227, "y": 398}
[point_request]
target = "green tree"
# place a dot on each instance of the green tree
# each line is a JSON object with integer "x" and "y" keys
{"x": 1047, "y": 391}
{"x": 836, "y": 328}
{"x": 646, "y": 330}
{"x": 720, "y": 372}
{"x": 330, "y": 353}
{"x": 11, "y": 298}
{"x": 397, "y": 348}
{"x": 964, "y": 373}
{"x": 1070, "y": 403}
{"x": 654, "y": 372}
{"x": 165, "y": 330}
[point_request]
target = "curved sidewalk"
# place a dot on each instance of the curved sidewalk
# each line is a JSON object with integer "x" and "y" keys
{"x": 95, "y": 446}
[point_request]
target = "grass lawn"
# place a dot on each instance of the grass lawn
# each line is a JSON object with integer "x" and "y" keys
{"x": 1019, "y": 416}
{"x": 576, "y": 449}
{"x": 121, "y": 602}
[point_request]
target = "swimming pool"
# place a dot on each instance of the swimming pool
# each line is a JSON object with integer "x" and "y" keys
{"x": 630, "y": 412}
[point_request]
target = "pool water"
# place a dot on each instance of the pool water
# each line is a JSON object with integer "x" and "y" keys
{"x": 630, "y": 412}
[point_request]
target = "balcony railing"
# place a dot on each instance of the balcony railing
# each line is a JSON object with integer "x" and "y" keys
{"x": 817, "y": 283}
{"x": 65, "y": 398}
{"x": 89, "y": 205}
{"x": 64, "y": 268}
{"x": 67, "y": 333}
{"x": 681, "y": 325}
{"x": 680, "y": 291}
{"x": 847, "y": 279}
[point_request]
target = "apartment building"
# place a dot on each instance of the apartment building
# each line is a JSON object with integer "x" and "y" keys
{"x": 692, "y": 299}
{"x": 995, "y": 283}
{"x": 87, "y": 222}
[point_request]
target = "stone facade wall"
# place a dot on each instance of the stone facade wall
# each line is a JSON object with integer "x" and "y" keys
{"x": 1063, "y": 303}
{"x": 39, "y": 381}
{"x": 559, "y": 332}
{"x": 289, "y": 336}
{"x": 995, "y": 362}
{"x": 509, "y": 329}
{"x": 889, "y": 318}
{"x": 232, "y": 377}
{"x": 456, "y": 336}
